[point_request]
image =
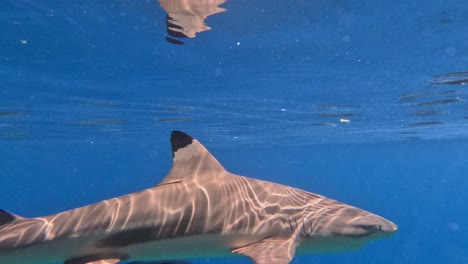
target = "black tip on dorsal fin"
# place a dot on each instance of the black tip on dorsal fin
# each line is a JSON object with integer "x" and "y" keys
{"x": 190, "y": 160}
{"x": 6, "y": 217}
{"x": 179, "y": 140}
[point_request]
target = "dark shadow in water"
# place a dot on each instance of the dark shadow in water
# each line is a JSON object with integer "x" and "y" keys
{"x": 411, "y": 138}
{"x": 426, "y": 112}
{"x": 410, "y": 135}
{"x": 409, "y": 132}
{"x": 335, "y": 115}
{"x": 174, "y": 119}
{"x": 451, "y": 78}
{"x": 324, "y": 124}
{"x": 14, "y": 133}
{"x": 99, "y": 122}
{"x": 411, "y": 97}
{"x": 337, "y": 111}
{"x": 440, "y": 102}
{"x": 11, "y": 113}
{"x": 426, "y": 123}
{"x": 451, "y": 82}
{"x": 437, "y": 104}
{"x": 186, "y": 18}
{"x": 449, "y": 92}
{"x": 414, "y": 96}
{"x": 451, "y": 74}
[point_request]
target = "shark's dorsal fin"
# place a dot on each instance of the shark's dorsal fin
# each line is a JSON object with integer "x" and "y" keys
{"x": 7, "y": 217}
{"x": 191, "y": 160}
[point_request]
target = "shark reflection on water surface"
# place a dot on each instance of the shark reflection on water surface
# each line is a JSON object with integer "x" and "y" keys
{"x": 186, "y": 18}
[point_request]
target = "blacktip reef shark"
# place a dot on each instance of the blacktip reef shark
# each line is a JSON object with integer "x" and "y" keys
{"x": 199, "y": 210}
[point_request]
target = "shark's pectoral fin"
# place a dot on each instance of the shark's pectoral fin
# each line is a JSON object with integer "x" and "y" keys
{"x": 269, "y": 251}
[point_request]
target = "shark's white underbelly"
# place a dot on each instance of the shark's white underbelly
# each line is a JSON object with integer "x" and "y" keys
{"x": 199, "y": 246}
{"x": 196, "y": 246}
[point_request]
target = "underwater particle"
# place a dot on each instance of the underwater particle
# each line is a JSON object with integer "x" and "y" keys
{"x": 218, "y": 72}
{"x": 345, "y": 38}
{"x": 453, "y": 226}
{"x": 23, "y": 41}
{"x": 451, "y": 51}
{"x": 343, "y": 120}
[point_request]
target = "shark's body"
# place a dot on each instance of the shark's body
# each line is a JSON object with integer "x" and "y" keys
{"x": 198, "y": 210}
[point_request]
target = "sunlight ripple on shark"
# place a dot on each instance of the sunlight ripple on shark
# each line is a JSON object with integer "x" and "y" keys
{"x": 199, "y": 210}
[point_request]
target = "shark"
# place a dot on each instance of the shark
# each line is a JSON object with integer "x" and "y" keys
{"x": 199, "y": 210}
{"x": 186, "y": 18}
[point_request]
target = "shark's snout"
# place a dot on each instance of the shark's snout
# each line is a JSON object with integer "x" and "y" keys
{"x": 371, "y": 224}
{"x": 389, "y": 227}
{"x": 352, "y": 222}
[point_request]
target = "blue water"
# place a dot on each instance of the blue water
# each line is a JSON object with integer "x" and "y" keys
{"x": 333, "y": 97}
